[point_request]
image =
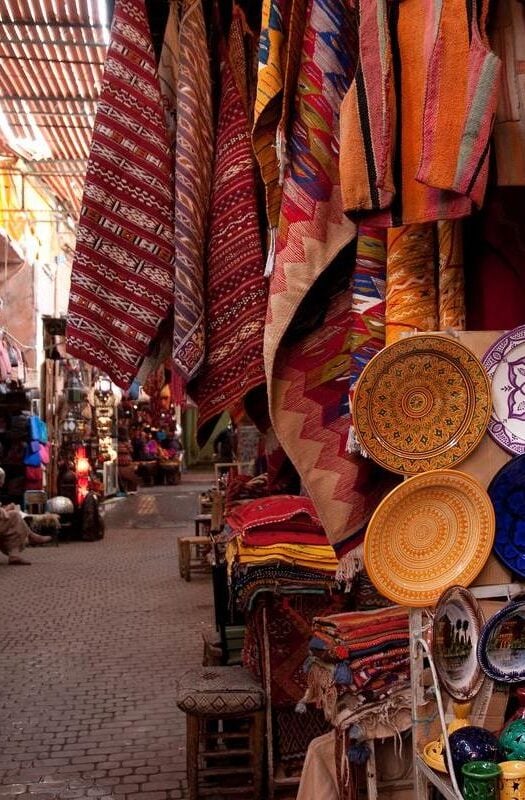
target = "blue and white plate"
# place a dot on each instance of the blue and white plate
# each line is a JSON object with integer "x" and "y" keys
{"x": 507, "y": 492}
{"x": 501, "y": 645}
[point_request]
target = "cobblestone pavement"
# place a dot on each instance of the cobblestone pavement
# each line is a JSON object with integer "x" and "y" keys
{"x": 92, "y": 639}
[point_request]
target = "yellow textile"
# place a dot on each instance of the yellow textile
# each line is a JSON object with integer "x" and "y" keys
{"x": 411, "y": 296}
{"x": 321, "y": 557}
{"x": 451, "y": 305}
{"x": 425, "y": 288}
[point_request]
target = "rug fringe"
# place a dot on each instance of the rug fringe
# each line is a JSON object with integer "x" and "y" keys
{"x": 350, "y": 565}
{"x": 270, "y": 259}
{"x": 353, "y": 445}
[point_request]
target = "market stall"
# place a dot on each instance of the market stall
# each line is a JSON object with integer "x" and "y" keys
{"x": 312, "y": 246}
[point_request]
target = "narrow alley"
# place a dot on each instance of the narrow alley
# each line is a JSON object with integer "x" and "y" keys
{"x": 93, "y": 637}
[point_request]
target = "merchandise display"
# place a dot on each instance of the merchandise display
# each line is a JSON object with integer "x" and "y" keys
{"x": 292, "y": 214}
{"x": 501, "y": 645}
{"x": 505, "y": 365}
{"x": 432, "y": 531}
{"x": 512, "y": 740}
{"x": 507, "y": 492}
{"x": 455, "y": 632}
{"x": 422, "y": 403}
{"x": 473, "y": 744}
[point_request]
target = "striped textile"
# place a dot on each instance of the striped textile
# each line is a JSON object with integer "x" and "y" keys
{"x": 368, "y": 116}
{"x": 367, "y": 314}
{"x": 122, "y": 275}
{"x": 168, "y": 71}
{"x": 312, "y": 231}
{"x": 396, "y": 111}
{"x": 462, "y": 88}
{"x": 193, "y": 170}
{"x": 236, "y": 291}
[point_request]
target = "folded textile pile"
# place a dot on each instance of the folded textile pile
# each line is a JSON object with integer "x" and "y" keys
{"x": 358, "y": 661}
{"x": 277, "y": 542}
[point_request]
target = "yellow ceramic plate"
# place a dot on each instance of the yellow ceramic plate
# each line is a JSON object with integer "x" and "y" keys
{"x": 431, "y": 532}
{"x": 422, "y": 403}
{"x": 433, "y": 755}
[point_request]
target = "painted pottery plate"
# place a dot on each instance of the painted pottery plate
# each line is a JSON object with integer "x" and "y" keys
{"x": 429, "y": 533}
{"x": 433, "y": 755}
{"x": 501, "y": 645}
{"x": 422, "y": 403}
{"x": 455, "y": 633}
{"x": 507, "y": 492}
{"x": 505, "y": 365}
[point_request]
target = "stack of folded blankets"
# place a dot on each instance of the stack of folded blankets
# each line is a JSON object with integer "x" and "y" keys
{"x": 277, "y": 542}
{"x": 358, "y": 667}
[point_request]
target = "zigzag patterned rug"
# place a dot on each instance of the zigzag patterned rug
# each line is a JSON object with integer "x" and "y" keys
{"x": 308, "y": 380}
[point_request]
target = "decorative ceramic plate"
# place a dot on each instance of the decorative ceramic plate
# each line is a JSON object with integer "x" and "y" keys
{"x": 507, "y": 492}
{"x": 422, "y": 403}
{"x": 430, "y": 532}
{"x": 505, "y": 365}
{"x": 457, "y": 624}
{"x": 433, "y": 755}
{"x": 501, "y": 645}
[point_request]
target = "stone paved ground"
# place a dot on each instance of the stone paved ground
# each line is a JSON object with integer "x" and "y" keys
{"x": 92, "y": 639}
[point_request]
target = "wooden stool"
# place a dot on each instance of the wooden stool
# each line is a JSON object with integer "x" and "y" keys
{"x": 202, "y": 524}
{"x": 192, "y": 555}
{"x": 225, "y": 727}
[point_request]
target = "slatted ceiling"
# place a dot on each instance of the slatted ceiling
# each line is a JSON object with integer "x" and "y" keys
{"x": 51, "y": 63}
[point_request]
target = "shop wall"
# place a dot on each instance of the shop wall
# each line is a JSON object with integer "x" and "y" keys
{"x": 18, "y": 313}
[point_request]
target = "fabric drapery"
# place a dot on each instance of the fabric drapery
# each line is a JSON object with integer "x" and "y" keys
{"x": 305, "y": 400}
{"x": 425, "y": 68}
{"x": 122, "y": 274}
{"x": 193, "y": 169}
{"x": 236, "y": 292}
{"x": 425, "y": 280}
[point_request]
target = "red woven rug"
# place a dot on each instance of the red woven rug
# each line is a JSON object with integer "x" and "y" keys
{"x": 122, "y": 278}
{"x": 236, "y": 292}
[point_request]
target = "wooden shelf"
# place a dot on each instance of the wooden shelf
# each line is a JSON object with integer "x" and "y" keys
{"x": 441, "y": 782}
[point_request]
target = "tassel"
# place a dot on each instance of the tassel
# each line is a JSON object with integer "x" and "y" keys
{"x": 349, "y": 566}
{"x": 270, "y": 259}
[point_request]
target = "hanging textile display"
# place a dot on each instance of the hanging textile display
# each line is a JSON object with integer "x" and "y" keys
{"x": 193, "y": 168}
{"x": 436, "y": 73}
{"x": 307, "y": 379}
{"x": 236, "y": 292}
{"x": 122, "y": 274}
